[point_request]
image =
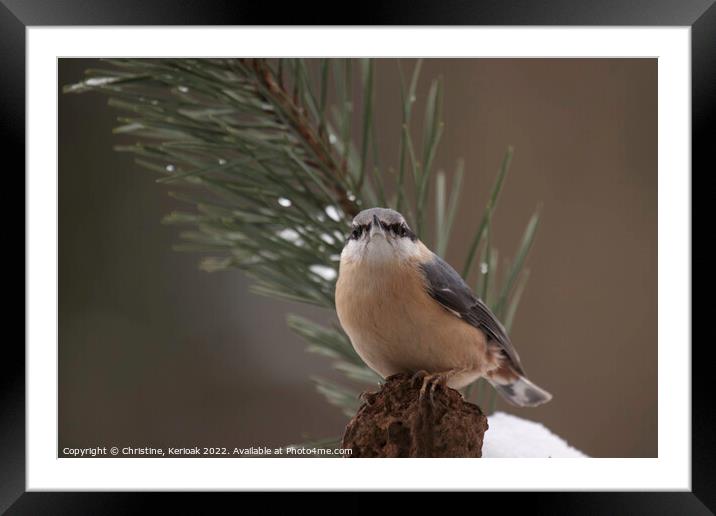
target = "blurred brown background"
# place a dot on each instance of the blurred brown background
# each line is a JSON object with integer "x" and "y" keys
{"x": 154, "y": 352}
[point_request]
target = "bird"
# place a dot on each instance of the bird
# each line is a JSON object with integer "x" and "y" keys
{"x": 406, "y": 310}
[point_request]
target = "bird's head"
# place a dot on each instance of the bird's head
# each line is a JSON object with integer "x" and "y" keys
{"x": 380, "y": 235}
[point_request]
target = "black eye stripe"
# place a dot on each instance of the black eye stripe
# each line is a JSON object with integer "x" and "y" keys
{"x": 357, "y": 232}
{"x": 399, "y": 229}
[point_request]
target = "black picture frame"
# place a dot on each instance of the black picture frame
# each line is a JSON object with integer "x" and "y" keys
{"x": 16, "y": 15}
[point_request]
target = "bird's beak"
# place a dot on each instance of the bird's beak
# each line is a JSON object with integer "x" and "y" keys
{"x": 376, "y": 228}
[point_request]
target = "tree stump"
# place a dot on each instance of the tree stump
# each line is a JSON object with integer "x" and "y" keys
{"x": 395, "y": 422}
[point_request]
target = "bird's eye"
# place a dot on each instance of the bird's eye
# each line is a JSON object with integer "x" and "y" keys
{"x": 356, "y": 233}
{"x": 399, "y": 229}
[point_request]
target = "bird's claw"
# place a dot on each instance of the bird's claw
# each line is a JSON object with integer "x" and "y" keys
{"x": 419, "y": 375}
{"x": 429, "y": 385}
{"x": 439, "y": 382}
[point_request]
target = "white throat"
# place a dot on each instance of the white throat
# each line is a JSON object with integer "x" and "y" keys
{"x": 379, "y": 249}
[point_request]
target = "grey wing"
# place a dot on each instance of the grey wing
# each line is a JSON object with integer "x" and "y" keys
{"x": 447, "y": 287}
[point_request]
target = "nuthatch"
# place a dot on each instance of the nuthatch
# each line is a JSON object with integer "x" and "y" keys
{"x": 406, "y": 310}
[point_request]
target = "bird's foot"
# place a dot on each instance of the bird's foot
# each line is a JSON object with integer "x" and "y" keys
{"x": 441, "y": 381}
{"x": 430, "y": 383}
{"x": 419, "y": 376}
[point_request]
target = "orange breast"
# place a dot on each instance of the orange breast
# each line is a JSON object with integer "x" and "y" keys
{"x": 396, "y": 326}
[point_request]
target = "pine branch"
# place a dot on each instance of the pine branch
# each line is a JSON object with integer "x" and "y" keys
{"x": 295, "y": 116}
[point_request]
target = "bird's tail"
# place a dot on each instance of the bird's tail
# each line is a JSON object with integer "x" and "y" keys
{"x": 520, "y": 391}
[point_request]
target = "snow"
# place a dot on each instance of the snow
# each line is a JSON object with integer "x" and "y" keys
{"x": 333, "y": 212}
{"x": 100, "y": 81}
{"x": 327, "y": 273}
{"x": 512, "y": 436}
{"x": 291, "y": 235}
